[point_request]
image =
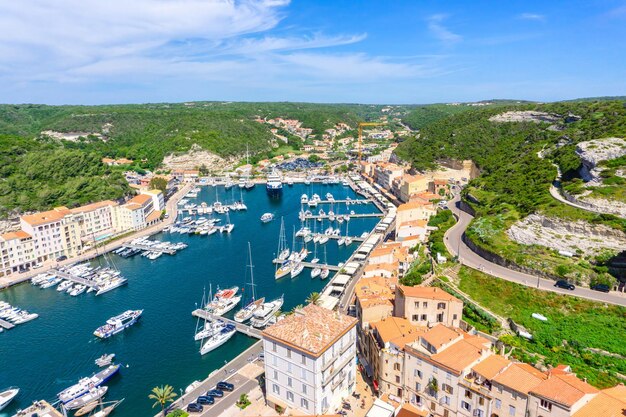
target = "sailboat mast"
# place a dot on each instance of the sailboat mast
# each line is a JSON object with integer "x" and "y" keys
{"x": 251, "y": 271}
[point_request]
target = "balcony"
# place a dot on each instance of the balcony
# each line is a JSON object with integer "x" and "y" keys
{"x": 335, "y": 371}
{"x": 475, "y": 384}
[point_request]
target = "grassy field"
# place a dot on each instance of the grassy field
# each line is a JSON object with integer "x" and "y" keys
{"x": 574, "y": 327}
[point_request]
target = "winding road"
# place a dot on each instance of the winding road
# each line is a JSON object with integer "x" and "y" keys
{"x": 456, "y": 246}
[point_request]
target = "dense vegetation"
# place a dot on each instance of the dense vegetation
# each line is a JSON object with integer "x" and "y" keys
{"x": 578, "y": 332}
{"x": 443, "y": 220}
{"x": 422, "y": 116}
{"x": 514, "y": 181}
{"x": 36, "y": 175}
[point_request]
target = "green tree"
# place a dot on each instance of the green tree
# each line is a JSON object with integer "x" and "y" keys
{"x": 313, "y": 298}
{"x": 158, "y": 183}
{"x": 314, "y": 158}
{"x": 162, "y": 395}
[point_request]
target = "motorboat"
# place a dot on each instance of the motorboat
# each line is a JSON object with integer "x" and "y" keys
{"x": 7, "y": 395}
{"x": 263, "y": 314}
{"x": 348, "y": 241}
{"x": 210, "y": 328}
{"x": 224, "y": 301}
{"x": 341, "y": 241}
{"x": 218, "y": 339}
{"x": 111, "y": 285}
{"x": 105, "y": 360}
{"x": 118, "y": 323}
{"x": 304, "y": 199}
{"x": 267, "y": 217}
{"x": 93, "y": 394}
{"x": 85, "y": 384}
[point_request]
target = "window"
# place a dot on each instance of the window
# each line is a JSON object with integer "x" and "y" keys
{"x": 434, "y": 369}
{"x": 447, "y": 388}
{"x": 481, "y": 400}
{"x": 454, "y": 317}
{"x": 424, "y": 317}
{"x": 304, "y": 403}
{"x": 514, "y": 395}
{"x": 274, "y": 360}
{"x": 498, "y": 404}
{"x": 303, "y": 360}
{"x": 303, "y": 374}
{"x": 396, "y": 366}
{"x": 273, "y": 346}
{"x": 417, "y": 304}
{"x": 445, "y": 400}
{"x": 446, "y": 413}
{"x": 415, "y": 317}
{"x": 468, "y": 394}
{"x": 418, "y": 386}
{"x": 303, "y": 389}
{"x": 289, "y": 382}
{"x": 289, "y": 353}
{"x": 276, "y": 389}
{"x": 397, "y": 379}
{"x": 417, "y": 373}
{"x": 433, "y": 406}
{"x": 289, "y": 396}
{"x": 275, "y": 374}
{"x": 439, "y": 317}
{"x": 424, "y": 304}
{"x": 466, "y": 406}
{"x": 289, "y": 367}
{"x": 511, "y": 410}
{"x": 546, "y": 404}
{"x": 441, "y": 306}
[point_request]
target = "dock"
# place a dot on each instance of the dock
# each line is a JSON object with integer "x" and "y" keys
{"x": 355, "y": 201}
{"x": 312, "y": 265}
{"x": 242, "y": 328}
{"x": 150, "y": 248}
{"x": 352, "y": 216}
{"x": 77, "y": 280}
{"x": 6, "y": 325}
{"x": 354, "y": 238}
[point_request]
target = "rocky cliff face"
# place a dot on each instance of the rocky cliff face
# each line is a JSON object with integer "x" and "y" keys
{"x": 525, "y": 116}
{"x": 594, "y": 151}
{"x": 565, "y": 235}
{"x": 195, "y": 158}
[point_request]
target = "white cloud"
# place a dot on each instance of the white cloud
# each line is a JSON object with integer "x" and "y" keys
{"x": 441, "y": 32}
{"x": 532, "y": 16}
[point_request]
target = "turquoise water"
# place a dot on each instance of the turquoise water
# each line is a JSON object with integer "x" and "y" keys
{"x": 46, "y": 355}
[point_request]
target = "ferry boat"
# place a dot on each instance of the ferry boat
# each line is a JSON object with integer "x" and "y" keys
{"x": 118, "y": 323}
{"x": 85, "y": 384}
{"x": 264, "y": 314}
{"x": 217, "y": 340}
{"x": 274, "y": 186}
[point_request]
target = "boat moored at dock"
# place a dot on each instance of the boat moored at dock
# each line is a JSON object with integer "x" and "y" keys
{"x": 85, "y": 384}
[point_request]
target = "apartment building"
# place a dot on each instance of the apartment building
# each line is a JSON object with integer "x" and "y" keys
{"x": 17, "y": 250}
{"x": 385, "y": 173}
{"x": 414, "y": 210}
{"x": 310, "y": 360}
{"x": 158, "y": 200}
{"x": 409, "y": 185}
{"x": 434, "y": 366}
{"x": 53, "y": 234}
{"x": 427, "y": 306}
{"x": 138, "y": 213}
{"x": 95, "y": 220}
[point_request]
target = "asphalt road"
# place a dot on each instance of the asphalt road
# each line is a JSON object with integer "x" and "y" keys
{"x": 467, "y": 257}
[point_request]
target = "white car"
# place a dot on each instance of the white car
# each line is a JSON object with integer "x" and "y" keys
{"x": 37, "y": 266}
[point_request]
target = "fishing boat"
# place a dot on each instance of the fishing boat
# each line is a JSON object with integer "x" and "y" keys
{"x": 218, "y": 339}
{"x": 105, "y": 360}
{"x": 118, "y": 323}
{"x": 7, "y": 395}
{"x": 85, "y": 384}
{"x": 264, "y": 314}
{"x": 93, "y": 394}
{"x": 267, "y": 217}
{"x": 247, "y": 312}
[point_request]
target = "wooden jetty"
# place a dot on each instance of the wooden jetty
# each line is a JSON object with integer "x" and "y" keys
{"x": 241, "y": 327}
{"x": 6, "y": 325}
{"x": 77, "y": 280}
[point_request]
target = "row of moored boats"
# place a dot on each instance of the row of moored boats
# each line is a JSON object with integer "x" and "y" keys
{"x": 15, "y": 315}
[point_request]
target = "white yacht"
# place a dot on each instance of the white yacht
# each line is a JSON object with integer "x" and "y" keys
{"x": 315, "y": 272}
{"x": 296, "y": 270}
{"x": 304, "y": 199}
{"x": 118, "y": 323}
{"x": 218, "y": 339}
{"x": 283, "y": 269}
{"x": 224, "y": 301}
{"x": 7, "y": 395}
{"x": 267, "y": 217}
{"x": 93, "y": 394}
{"x": 264, "y": 314}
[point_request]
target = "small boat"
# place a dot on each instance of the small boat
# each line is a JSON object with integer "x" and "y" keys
{"x": 324, "y": 273}
{"x": 86, "y": 409}
{"x": 192, "y": 386}
{"x": 105, "y": 360}
{"x": 267, "y": 217}
{"x": 315, "y": 272}
{"x": 341, "y": 241}
{"x": 94, "y": 394}
{"x": 304, "y": 199}
{"x": 348, "y": 241}
{"x": 7, "y": 396}
{"x": 283, "y": 270}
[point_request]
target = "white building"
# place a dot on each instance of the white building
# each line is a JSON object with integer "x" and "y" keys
{"x": 17, "y": 250}
{"x": 310, "y": 360}
{"x": 158, "y": 201}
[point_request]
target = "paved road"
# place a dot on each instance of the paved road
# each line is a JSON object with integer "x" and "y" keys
{"x": 455, "y": 246}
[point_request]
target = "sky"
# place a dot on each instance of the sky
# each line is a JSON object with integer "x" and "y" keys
{"x": 359, "y": 51}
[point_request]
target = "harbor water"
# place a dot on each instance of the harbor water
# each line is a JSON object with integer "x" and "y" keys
{"x": 46, "y": 355}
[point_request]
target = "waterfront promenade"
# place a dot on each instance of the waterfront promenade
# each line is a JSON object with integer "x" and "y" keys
{"x": 171, "y": 208}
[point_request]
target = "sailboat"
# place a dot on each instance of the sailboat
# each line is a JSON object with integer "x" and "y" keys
{"x": 283, "y": 250}
{"x": 228, "y": 227}
{"x": 348, "y": 240}
{"x": 325, "y": 271}
{"x": 103, "y": 412}
{"x": 247, "y": 312}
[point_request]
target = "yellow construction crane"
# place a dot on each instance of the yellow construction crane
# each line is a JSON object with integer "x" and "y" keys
{"x": 361, "y": 125}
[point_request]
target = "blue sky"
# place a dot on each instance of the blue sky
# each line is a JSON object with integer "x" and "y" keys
{"x": 114, "y": 51}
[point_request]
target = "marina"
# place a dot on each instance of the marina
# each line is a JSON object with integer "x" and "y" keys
{"x": 174, "y": 285}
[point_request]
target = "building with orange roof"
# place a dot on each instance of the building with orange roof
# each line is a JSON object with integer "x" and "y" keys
{"x": 385, "y": 173}
{"x": 407, "y": 410}
{"x": 425, "y": 196}
{"x": 561, "y": 394}
{"x": 310, "y": 360}
{"x": 136, "y": 213}
{"x": 434, "y": 366}
{"x": 17, "y": 250}
{"x": 55, "y": 233}
{"x": 387, "y": 270}
{"x": 412, "y": 230}
{"x": 427, "y": 306}
{"x": 414, "y": 210}
{"x": 437, "y": 186}
{"x": 610, "y": 402}
{"x": 410, "y": 185}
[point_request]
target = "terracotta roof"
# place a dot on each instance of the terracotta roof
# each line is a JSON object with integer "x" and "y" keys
{"x": 461, "y": 354}
{"x": 155, "y": 215}
{"x": 93, "y": 206}
{"x": 44, "y": 217}
{"x": 520, "y": 377}
{"x": 392, "y": 328}
{"x": 426, "y": 196}
{"x": 133, "y": 206}
{"x": 140, "y": 199}
{"x": 412, "y": 178}
{"x": 432, "y": 293}
{"x": 19, "y": 234}
{"x": 564, "y": 389}
{"x": 413, "y": 204}
{"x": 441, "y": 335}
{"x": 418, "y": 223}
{"x": 491, "y": 366}
{"x": 618, "y": 392}
{"x": 385, "y": 266}
{"x": 603, "y": 405}
{"x": 153, "y": 192}
{"x": 382, "y": 251}
{"x": 312, "y": 329}
{"x": 407, "y": 410}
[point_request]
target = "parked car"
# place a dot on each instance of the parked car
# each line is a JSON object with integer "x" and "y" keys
{"x": 215, "y": 393}
{"x": 225, "y": 386}
{"x": 601, "y": 287}
{"x": 37, "y": 266}
{"x": 205, "y": 399}
{"x": 61, "y": 258}
{"x": 194, "y": 408}
{"x": 565, "y": 284}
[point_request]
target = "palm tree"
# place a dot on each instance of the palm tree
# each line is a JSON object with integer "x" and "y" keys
{"x": 293, "y": 310}
{"x": 162, "y": 395}
{"x": 314, "y": 298}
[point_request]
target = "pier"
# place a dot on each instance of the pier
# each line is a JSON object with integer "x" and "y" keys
{"x": 6, "y": 325}
{"x": 352, "y": 216}
{"x": 150, "y": 248}
{"x": 77, "y": 280}
{"x": 247, "y": 330}
{"x": 312, "y": 265}
{"x": 356, "y": 201}
{"x": 354, "y": 238}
